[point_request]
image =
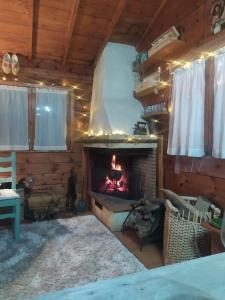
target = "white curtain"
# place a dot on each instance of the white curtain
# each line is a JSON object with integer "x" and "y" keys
{"x": 219, "y": 108}
{"x": 13, "y": 118}
{"x": 50, "y": 120}
{"x": 186, "y": 131}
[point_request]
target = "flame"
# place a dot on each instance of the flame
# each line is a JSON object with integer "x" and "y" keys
{"x": 112, "y": 185}
{"x": 115, "y": 166}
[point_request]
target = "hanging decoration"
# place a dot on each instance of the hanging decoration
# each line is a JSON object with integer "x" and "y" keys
{"x": 10, "y": 64}
{"x": 218, "y": 13}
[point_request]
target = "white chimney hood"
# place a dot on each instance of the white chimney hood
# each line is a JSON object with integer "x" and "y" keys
{"x": 113, "y": 107}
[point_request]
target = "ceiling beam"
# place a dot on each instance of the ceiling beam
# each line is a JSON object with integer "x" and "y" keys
{"x": 119, "y": 9}
{"x": 31, "y": 29}
{"x": 70, "y": 29}
{"x": 48, "y": 74}
{"x": 151, "y": 23}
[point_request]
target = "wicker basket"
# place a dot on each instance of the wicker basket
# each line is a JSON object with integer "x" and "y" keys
{"x": 184, "y": 239}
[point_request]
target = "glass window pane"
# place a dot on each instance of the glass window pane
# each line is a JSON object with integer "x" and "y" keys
{"x": 50, "y": 120}
{"x": 13, "y": 118}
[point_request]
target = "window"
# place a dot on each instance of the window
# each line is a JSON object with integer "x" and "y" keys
{"x": 45, "y": 110}
{"x": 186, "y": 132}
{"x": 13, "y": 118}
{"x": 50, "y": 120}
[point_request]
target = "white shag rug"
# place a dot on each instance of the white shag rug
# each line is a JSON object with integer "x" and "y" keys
{"x": 58, "y": 254}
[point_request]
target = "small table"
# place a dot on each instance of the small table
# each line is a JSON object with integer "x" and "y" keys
{"x": 216, "y": 244}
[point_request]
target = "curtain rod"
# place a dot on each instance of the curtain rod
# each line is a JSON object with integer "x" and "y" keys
{"x": 33, "y": 85}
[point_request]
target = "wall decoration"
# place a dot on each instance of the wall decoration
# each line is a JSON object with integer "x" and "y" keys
{"x": 10, "y": 64}
{"x": 218, "y": 13}
{"x": 166, "y": 38}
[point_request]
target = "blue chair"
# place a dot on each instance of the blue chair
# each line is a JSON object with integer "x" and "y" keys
{"x": 8, "y": 197}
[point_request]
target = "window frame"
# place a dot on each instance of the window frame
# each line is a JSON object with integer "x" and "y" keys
{"x": 209, "y": 105}
{"x": 31, "y": 117}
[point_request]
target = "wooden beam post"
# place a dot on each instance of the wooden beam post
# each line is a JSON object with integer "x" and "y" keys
{"x": 70, "y": 29}
{"x": 160, "y": 174}
{"x": 150, "y": 25}
{"x": 31, "y": 29}
{"x": 119, "y": 9}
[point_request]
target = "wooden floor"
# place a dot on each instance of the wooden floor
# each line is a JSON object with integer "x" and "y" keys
{"x": 151, "y": 254}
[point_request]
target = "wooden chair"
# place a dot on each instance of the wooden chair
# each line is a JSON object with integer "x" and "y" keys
{"x": 8, "y": 197}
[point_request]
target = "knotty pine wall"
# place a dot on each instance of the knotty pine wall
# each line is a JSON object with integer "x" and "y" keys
{"x": 194, "y": 24}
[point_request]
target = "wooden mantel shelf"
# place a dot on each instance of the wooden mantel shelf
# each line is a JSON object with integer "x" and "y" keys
{"x": 166, "y": 53}
{"x": 148, "y": 115}
{"x": 149, "y": 90}
{"x": 119, "y": 141}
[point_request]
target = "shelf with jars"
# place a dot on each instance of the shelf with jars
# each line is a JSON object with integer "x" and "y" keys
{"x": 155, "y": 110}
{"x": 165, "y": 54}
{"x": 163, "y": 49}
{"x": 156, "y": 116}
{"x": 151, "y": 84}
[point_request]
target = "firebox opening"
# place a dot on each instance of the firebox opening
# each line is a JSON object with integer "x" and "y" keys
{"x": 114, "y": 173}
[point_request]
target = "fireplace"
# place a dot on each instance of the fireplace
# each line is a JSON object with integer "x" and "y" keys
{"x": 122, "y": 173}
{"x": 118, "y": 171}
{"x": 125, "y": 173}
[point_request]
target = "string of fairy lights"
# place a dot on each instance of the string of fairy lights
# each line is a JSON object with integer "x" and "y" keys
{"x": 82, "y": 114}
{"x": 171, "y": 67}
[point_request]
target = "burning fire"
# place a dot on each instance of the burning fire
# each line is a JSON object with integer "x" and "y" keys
{"x": 114, "y": 165}
{"x": 116, "y": 180}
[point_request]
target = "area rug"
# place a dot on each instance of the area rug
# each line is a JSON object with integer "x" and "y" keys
{"x": 58, "y": 254}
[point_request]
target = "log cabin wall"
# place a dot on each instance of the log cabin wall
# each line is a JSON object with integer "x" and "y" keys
{"x": 194, "y": 24}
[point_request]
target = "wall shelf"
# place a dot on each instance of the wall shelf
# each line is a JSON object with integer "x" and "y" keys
{"x": 148, "y": 90}
{"x": 167, "y": 53}
{"x": 148, "y": 115}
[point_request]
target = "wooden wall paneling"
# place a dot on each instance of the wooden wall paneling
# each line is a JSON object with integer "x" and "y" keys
{"x": 69, "y": 120}
{"x": 197, "y": 184}
{"x": 85, "y": 175}
{"x": 193, "y": 33}
{"x": 43, "y": 168}
{"x": 49, "y": 169}
{"x": 31, "y": 116}
{"x": 43, "y": 74}
{"x": 173, "y": 14}
{"x": 160, "y": 173}
{"x": 209, "y": 106}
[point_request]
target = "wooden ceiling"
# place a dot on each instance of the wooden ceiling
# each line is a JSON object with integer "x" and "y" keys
{"x": 69, "y": 35}
{"x": 71, "y": 31}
